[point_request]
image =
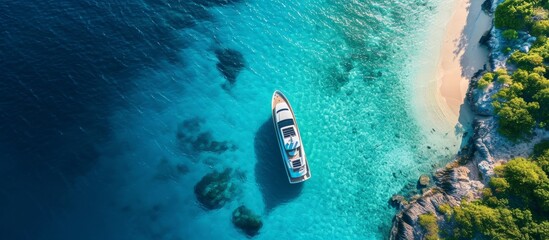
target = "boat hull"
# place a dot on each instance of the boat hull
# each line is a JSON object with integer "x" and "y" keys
{"x": 278, "y": 97}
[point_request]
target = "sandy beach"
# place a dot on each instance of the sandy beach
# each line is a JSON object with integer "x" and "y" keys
{"x": 461, "y": 56}
{"x": 443, "y": 83}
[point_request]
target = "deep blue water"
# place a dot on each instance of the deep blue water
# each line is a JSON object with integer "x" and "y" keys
{"x": 104, "y": 106}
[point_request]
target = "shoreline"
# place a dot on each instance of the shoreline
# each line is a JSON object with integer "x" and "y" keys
{"x": 467, "y": 175}
{"x": 458, "y": 56}
{"x": 461, "y": 56}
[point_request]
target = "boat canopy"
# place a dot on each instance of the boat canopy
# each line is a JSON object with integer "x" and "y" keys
{"x": 291, "y": 146}
{"x": 292, "y": 143}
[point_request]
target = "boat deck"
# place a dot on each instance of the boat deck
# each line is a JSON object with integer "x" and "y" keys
{"x": 279, "y": 98}
{"x": 302, "y": 178}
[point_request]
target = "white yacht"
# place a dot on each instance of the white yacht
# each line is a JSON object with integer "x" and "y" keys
{"x": 289, "y": 139}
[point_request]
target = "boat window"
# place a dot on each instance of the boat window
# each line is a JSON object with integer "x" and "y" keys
{"x": 284, "y": 123}
{"x": 280, "y": 110}
{"x": 296, "y": 163}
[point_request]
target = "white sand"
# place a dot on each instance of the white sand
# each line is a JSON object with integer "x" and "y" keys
{"x": 442, "y": 84}
{"x": 461, "y": 55}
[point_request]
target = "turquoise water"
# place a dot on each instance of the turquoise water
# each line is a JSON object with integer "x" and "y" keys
{"x": 343, "y": 65}
{"x": 347, "y": 68}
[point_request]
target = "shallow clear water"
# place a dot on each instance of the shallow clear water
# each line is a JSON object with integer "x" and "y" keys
{"x": 347, "y": 68}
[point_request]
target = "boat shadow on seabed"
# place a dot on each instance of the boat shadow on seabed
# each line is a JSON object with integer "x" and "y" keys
{"x": 269, "y": 169}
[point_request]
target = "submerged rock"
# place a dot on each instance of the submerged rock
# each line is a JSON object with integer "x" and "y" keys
{"x": 246, "y": 220}
{"x": 231, "y": 62}
{"x": 424, "y": 180}
{"x": 397, "y": 201}
{"x": 215, "y": 189}
{"x": 487, "y": 6}
{"x": 191, "y": 137}
{"x": 165, "y": 170}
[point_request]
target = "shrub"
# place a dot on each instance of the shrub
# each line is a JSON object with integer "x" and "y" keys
{"x": 513, "y": 14}
{"x": 500, "y": 72}
{"x": 485, "y": 80}
{"x": 494, "y": 223}
{"x": 528, "y": 182}
{"x": 541, "y": 149}
{"x": 527, "y": 61}
{"x": 510, "y": 34}
{"x": 505, "y": 79}
{"x": 541, "y": 155}
{"x": 515, "y": 119}
{"x": 445, "y": 209}
{"x": 539, "y": 70}
{"x": 540, "y": 28}
{"x": 523, "y": 174}
{"x": 429, "y": 222}
{"x": 541, "y": 195}
{"x": 500, "y": 185}
{"x": 533, "y": 85}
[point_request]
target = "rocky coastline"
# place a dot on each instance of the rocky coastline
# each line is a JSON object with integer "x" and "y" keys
{"x": 464, "y": 178}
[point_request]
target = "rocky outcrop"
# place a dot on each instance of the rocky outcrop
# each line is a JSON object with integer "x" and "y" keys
{"x": 398, "y": 201}
{"x": 424, "y": 180}
{"x": 487, "y": 6}
{"x": 493, "y": 149}
{"x": 405, "y": 223}
{"x": 246, "y": 220}
{"x": 464, "y": 178}
{"x": 485, "y": 39}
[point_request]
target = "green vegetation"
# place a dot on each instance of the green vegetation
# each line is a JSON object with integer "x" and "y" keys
{"x": 510, "y": 34}
{"x": 541, "y": 28}
{"x": 515, "y": 206}
{"x": 485, "y": 80}
{"x": 514, "y": 14}
{"x": 429, "y": 223}
{"x": 515, "y": 117}
{"x": 523, "y": 102}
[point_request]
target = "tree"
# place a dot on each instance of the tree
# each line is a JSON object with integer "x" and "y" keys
{"x": 485, "y": 80}
{"x": 532, "y": 85}
{"x": 506, "y": 94}
{"x": 528, "y": 60}
{"x": 542, "y": 97}
{"x": 540, "y": 28}
{"x": 523, "y": 174}
{"x": 429, "y": 223}
{"x": 515, "y": 118}
{"x": 541, "y": 155}
{"x": 505, "y": 79}
{"x": 528, "y": 182}
{"x": 510, "y": 34}
{"x": 541, "y": 196}
{"x": 500, "y": 185}
{"x": 513, "y": 14}
{"x": 494, "y": 223}
{"x": 540, "y": 70}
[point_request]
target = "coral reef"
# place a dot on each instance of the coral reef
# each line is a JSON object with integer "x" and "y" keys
{"x": 215, "y": 189}
{"x": 246, "y": 220}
